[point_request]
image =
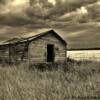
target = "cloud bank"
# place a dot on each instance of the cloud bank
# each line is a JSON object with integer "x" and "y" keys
{"x": 42, "y": 12}
{"x": 43, "y": 8}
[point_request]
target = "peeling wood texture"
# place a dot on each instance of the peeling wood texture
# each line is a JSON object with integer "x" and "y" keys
{"x": 34, "y": 49}
{"x": 38, "y": 49}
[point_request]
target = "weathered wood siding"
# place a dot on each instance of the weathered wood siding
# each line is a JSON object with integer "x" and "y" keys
{"x": 14, "y": 53}
{"x": 34, "y": 49}
{"x": 38, "y": 49}
{"x": 4, "y": 54}
{"x": 18, "y": 52}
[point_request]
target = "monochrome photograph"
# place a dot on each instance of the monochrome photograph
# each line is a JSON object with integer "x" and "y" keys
{"x": 49, "y": 49}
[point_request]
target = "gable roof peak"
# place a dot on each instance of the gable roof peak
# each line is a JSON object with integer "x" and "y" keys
{"x": 16, "y": 40}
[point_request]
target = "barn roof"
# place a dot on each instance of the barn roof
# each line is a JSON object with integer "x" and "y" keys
{"x": 32, "y": 38}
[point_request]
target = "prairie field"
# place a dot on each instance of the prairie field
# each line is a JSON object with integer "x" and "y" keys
{"x": 93, "y": 55}
{"x": 78, "y": 80}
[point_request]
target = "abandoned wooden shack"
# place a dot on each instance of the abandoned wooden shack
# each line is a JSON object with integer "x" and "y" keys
{"x": 41, "y": 48}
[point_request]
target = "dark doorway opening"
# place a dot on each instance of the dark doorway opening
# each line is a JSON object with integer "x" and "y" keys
{"x": 50, "y": 53}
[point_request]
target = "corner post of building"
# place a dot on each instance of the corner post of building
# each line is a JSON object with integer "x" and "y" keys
{"x": 28, "y": 57}
{"x": 66, "y": 54}
{"x": 9, "y": 53}
{"x": 66, "y": 65}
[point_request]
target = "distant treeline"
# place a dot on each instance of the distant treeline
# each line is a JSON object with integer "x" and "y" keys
{"x": 83, "y": 49}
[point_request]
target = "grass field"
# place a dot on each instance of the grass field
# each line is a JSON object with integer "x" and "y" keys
{"x": 93, "y": 55}
{"x": 81, "y": 81}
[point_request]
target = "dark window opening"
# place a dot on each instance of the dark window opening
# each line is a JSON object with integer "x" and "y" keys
{"x": 50, "y": 53}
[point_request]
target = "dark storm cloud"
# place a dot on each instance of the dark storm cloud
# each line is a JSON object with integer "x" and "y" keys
{"x": 45, "y": 8}
{"x": 39, "y": 11}
{"x": 2, "y": 1}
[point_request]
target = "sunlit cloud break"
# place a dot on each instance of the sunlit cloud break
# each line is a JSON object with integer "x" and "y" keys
{"x": 14, "y": 6}
{"x": 19, "y": 2}
{"x": 52, "y": 1}
{"x": 82, "y": 10}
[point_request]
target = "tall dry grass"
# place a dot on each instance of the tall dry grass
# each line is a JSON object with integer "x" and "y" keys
{"x": 80, "y": 80}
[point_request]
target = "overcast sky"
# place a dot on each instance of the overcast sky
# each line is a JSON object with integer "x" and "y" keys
{"x": 71, "y": 18}
{"x": 45, "y": 8}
